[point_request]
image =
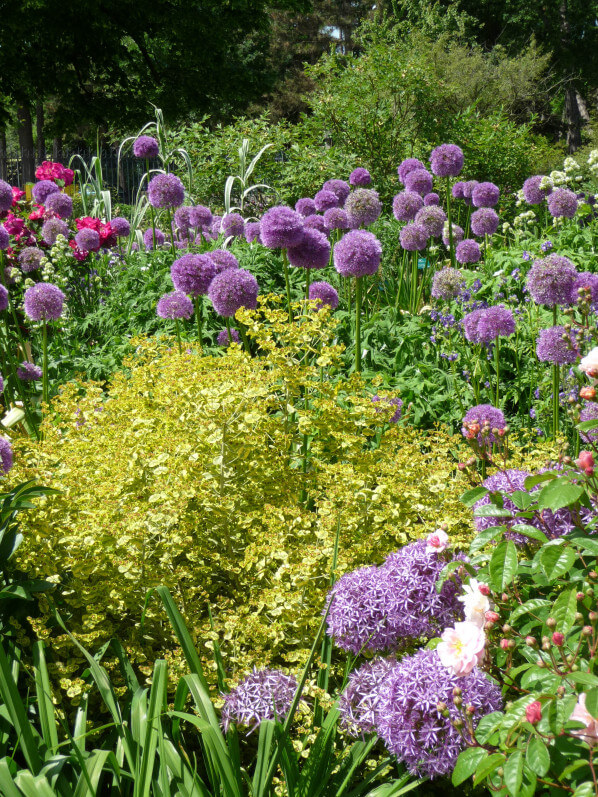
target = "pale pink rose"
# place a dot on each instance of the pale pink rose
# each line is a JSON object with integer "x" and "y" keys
{"x": 589, "y": 734}
{"x": 589, "y": 363}
{"x": 437, "y": 541}
{"x": 462, "y": 647}
{"x": 475, "y": 602}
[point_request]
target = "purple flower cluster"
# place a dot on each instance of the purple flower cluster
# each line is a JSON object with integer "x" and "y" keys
{"x": 447, "y": 284}
{"x": 359, "y": 701}
{"x": 363, "y": 207}
{"x": 192, "y": 274}
{"x": 468, "y": 251}
{"x": 408, "y": 165}
{"x": 312, "y": 251}
{"x": 488, "y": 419}
{"x": 233, "y": 224}
{"x": 584, "y": 282}
{"x": 88, "y": 239}
{"x": 6, "y": 457}
{"x": 120, "y": 227}
{"x": 406, "y": 204}
{"x": 562, "y": 203}
{"x": 446, "y": 160}
{"x": 3, "y": 298}
{"x": 145, "y": 147}
{"x": 589, "y": 413}
{"x": 551, "y": 279}
{"x": 305, "y": 206}
{"x": 484, "y": 222}
{"x": 261, "y": 695}
{"x": 175, "y": 305}
{"x": 5, "y": 196}
{"x": 324, "y": 294}
{"x": 232, "y": 289}
{"x": 29, "y": 372}
{"x": 281, "y": 227}
{"x": 148, "y": 238}
{"x": 52, "y": 228}
{"x": 60, "y": 204}
{"x": 30, "y": 258}
{"x": 324, "y": 200}
{"x": 222, "y": 259}
{"x": 360, "y": 177}
{"x": 42, "y": 190}
{"x": 420, "y": 181}
{"x": 458, "y": 234}
{"x": 488, "y": 323}
{"x": 338, "y": 187}
{"x": 166, "y": 191}
{"x": 556, "y": 345}
{"x": 386, "y": 402}
{"x": 413, "y": 237}
{"x": 431, "y": 218}
{"x": 224, "y": 338}
{"x": 432, "y": 199}
{"x": 315, "y": 222}
{"x": 357, "y": 254}
{"x": 336, "y": 219}
{"x": 4, "y": 237}
{"x": 43, "y": 302}
{"x": 200, "y": 217}
{"x": 485, "y": 195}
{"x": 532, "y": 192}
{"x": 252, "y": 232}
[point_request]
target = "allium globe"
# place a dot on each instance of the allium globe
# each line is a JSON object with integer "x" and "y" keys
{"x": 550, "y": 280}
{"x": 215, "y": 227}
{"x": 336, "y": 219}
{"x": 232, "y": 289}
{"x": 467, "y": 190}
{"x": 223, "y": 259}
{"x": 432, "y": 199}
{"x": 200, "y": 217}
{"x": 532, "y": 192}
{"x": 6, "y": 456}
{"x": 556, "y": 345}
{"x": 413, "y": 237}
{"x": 324, "y": 200}
{"x": 88, "y": 240}
{"x": 468, "y": 251}
{"x": 4, "y": 237}
{"x": 52, "y": 228}
{"x": 252, "y": 232}
{"x": 338, "y": 187}
{"x": 357, "y": 254}
{"x": 192, "y": 274}
{"x": 457, "y": 190}
{"x": 233, "y": 224}
{"x": 281, "y": 227}
{"x": 305, "y": 207}
{"x": 589, "y": 413}
{"x": 485, "y": 195}
{"x": 323, "y": 293}
{"x": 6, "y": 196}
{"x": 470, "y": 326}
{"x": 60, "y": 204}
{"x": 146, "y": 147}
{"x": 175, "y": 305}
{"x": 408, "y": 165}
{"x": 261, "y": 695}
{"x": 181, "y": 220}
{"x": 42, "y": 190}
{"x": 120, "y": 227}
{"x": 431, "y": 218}
{"x": 166, "y": 191}
{"x": 359, "y": 700}
{"x": 360, "y": 177}
{"x": 447, "y": 284}
{"x": 446, "y": 160}
{"x": 562, "y": 203}
{"x": 148, "y": 238}
{"x": 313, "y": 251}
{"x": 495, "y": 322}
{"x": 29, "y": 372}
{"x": 43, "y": 302}
{"x": 583, "y": 283}
{"x": 482, "y": 422}
{"x": 224, "y": 339}
{"x": 30, "y": 258}
{"x": 420, "y": 181}
{"x": 3, "y": 298}
{"x": 363, "y": 207}
{"x": 484, "y": 222}
{"x": 458, "y": 234}
{"x": 315, "y": 222}
{"x": 406, "y": 205}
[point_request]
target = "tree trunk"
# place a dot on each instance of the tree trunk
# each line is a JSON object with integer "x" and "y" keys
{"x": 3, "y": 156}
{"x": 56, "y": 148}
{"x": 26, "y": 142}
{"x": 573, "y": 119}
{"x": 39, "y": 131}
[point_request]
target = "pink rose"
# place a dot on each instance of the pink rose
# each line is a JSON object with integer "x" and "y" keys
{"x": 533, "y": 712}
{"x": 462, "y": 647}
{"x": 589, "y": 733}
{"x": 437, "y": 541}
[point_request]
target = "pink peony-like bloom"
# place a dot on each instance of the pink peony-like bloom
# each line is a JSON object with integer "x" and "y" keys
{"x": 462, "y": 647}
{"x": 437, "y": 541}
{"x": 589, "y": 364}
{"x": 589, "y": 733}
{"x": 475, "y": 602}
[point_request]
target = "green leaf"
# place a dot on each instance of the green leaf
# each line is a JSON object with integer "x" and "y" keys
{"x": 537, "y": 756}
{"x": 471, "y": 496}
{"x": 556, "y": 560}
{"x": 467, "y": 763}
{"x": 489, "y": 510}
{"x": 558, "y": 494}
{"x": 487, "y": 766}
{"x": 486, "y": 536}
{"x": 564, "y": 610}
{"x": 514, "y": 772}
{"x": 584, "y": 789}
{"x": 583, "y": 678}
{"x": 532, "y": 606}
{"x": 503, "y": 565}
{"x": 521, "y": 499}
{"x": 44, "y": 698}
{"x": 592, "y": 702}
{"x": 487, "y": 726}
{"x": 530, "y": 531}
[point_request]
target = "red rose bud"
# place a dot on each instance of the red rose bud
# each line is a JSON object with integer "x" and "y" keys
{"x": 587, "y": 393}
{"x": 484, "y": 589}
{"x": 579, "y": 596}
{"x": 585, "y": 461}
{"x": 531, "y": 641}
{"x": 462, "y": 466}
{"x": 558, "y": 638}
{"x": 492, "y": 617}
{"x": 504, "y": 643}
{"x": 533, "y": 712}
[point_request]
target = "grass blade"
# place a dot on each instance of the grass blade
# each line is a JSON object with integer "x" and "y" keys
{"x": 43, "y": 691}
{"x": 29, "y": 739}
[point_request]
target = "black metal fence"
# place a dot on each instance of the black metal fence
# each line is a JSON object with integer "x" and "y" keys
{"x": 121, "y": 179}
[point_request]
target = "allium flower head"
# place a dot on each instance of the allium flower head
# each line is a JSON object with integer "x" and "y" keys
{"x": 305, "y": 206}
{"x": 360, "y": 177}
{"x": 120, "y": 227}
{"x": 166, "y": 191}
{"x": 261, "y": 695}
{"x": 585, "y": 281}
{"x": 325, "y": 199}
{"x": 485, "y": 195}
{"x": 406, "y": 204}
{"x": 468, "y": 251}
{"x": 338, "y": 187}
{"x": 386, "y": 402}
{"x": 336, "y": 219}
{"x": 146, "y": 147}
{"x": 589, "y": 413}
{"x": 88, "y": 239}
{"x": 467, "y": 191}
{"x": 313, "y": 251}
{"x": 148, "y": 238}
{"x": 52, "y": 228}
{"x": 470, "y": 326}
{"x": 5, "y": 196}
{"x": 43, "y": 302}
{"x": 181, "y": 220}
{"x": 252, "y": 232}
{"x": 420, "y": 181}
{"x": 233, "y": 289}
{"x": 446, "y": 160}
{"x": 458, "y": 234}
{"x": 60, "y": 204}
{"x": 484, "y": 221}
{"x": 3, "y": 298}
{"x": 315, "y": 222}
{"x": 482, "y": 422}
{"x": 413, "y": 237}
{"x": 6, "y": 458}
{"x": 363, "y": 207}
{"x": 357, "y": 254}
{"x": 192, "y": 274}
{"x": 233, "y": 224}
{"x": 409, "y": 722}
{"x": 30, "y": 258}
{"x": 358, "y": 703}
{"x": 29, "y": 372}
{"x": 532, "y": 192}
{"x": 562, "y": 203}
{"x": 4, "y": 237}
{"x": 324, "y": 293}
{"x": 447, "y": 284}
{"x": 457, "y": 189}
{"x": 222, "y": 259}
{"x": 431, "y": 218}
{"x": 550, "y": 280}
{"x": 431, "y": 199}
{"x": 556, "y": 345}
{"x": 408, "y": 165}
{"x": 200, "y": 217}
{"x": 281, "y": 227}
{"x": 42, "y": 190}
{"x": 175, "y": 305}
{"x": 215, "y": 228}
{"x": 495, "y": 322}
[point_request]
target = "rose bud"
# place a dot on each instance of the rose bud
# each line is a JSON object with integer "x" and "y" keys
{"x": 586, "y": 630}
{"x": 579, "y": 596}
{"x": 585, "y": 461}
{"x": 558, "y": 639}
{"x": 504, "y": 643}
{"x": 533, "y": 712}
{"x": 484, "y": 588}
{"x": 492, "y": 617}
{"x": 531, "y": 641}
{"x": 551, "y": 622}
{"x": 588, "y": 393}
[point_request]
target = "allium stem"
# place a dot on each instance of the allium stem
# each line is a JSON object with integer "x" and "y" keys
{"x": 497, "y": 363}
{"x": 450, "y": 221}
{"x": 198, "y": 302}
{"x": 45, "y": 362}
{"x": 178, "y": 334}
{"x": 228, "y": 329}
{"x": 152, "y": 217}
{"x": 307, "y": 276}
{"x": 555, "y": 385}
{"x": 358, "y": 324}
{"x": 413, "y": 286}
{"x": 285, "y": 264}
{"x": 244, "y": 338}
{"x": 19, "y": 385}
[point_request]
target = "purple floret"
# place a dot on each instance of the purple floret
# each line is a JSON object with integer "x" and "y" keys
{"x": 413, "y": 237}
{"x": 360, "y": 177}
{"x": 315, "y": 222}
{"x": 447, "y": 284}
{"x": 584, "y": 282}
{"x": 468, "y": 188}
{"x": 60, "y": 204}
{"x": 42, "y": 190}
{"x": 224, "y": 338}
{"x": 484, "y": 222}
{"x": 589, "y": 413}
{"x": 52, "y": 228}
{"x": 457, "y": 189}
{"x": 4, "y": 237}
{"x": 556, "y": 345}
{"x": 338, "y": 187}
{"x": 6, "y": 457}
{"x": 223, "y": 259}
{"x": 121, "y": 227}
{"x": 166, "y": 191}
{"x": 175, "y": 305}
{"x": 146, "y": 147}
{"x": 458, "y": 234}
{"x": 261, "y": 695}
{"x": 29, "y": 372}
{"x": 532, "y": 192}
{"x": 446, "y": 160}
{"x": 336, "y": 219}
{"x": 357, "y": 254}
{"x": 358, "y": 703}
{"x": 485, "y": 195}
{"x": 305, "y": 206}
{"x": 6, "y": 196}
{"x": 468, "y": 251}
{"x": 408, "y": 165}
{"x": 420, "y": 181}
{"x": 551, "y": 279}
{"x": 470, "y": 326}
{"x": 200, "y": 217}
{"x": 363, "y": 207}
{"x": 313, "y": 251}
{"x": 252, "y": 232}
{"x": 406, "y": 205}
{"x": 30, "y": 258}
{"x": 324, "y": 293}
{"x": 43, "y": 302}
{"x": 148, "y": 238}
{"x": 88, "y": 239}
{"x": 495, "y": 322}
{"x": 281, "y": 227}
{"x": 233, "y": 224}
{"x": 192, "y": 274}
{"x": 431, "y": 218}
{"x": 3, "y": 298}
{"x": 325, "y": 199}
{"x": 431, "y": 199}
{"x": 232, "y": 289}
{"x": 562, "y": 203}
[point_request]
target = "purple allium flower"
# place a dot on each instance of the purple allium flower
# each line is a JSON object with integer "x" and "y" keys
{"x": 175, "y": 305}
{"x": 120, "y": 227}
{"x": 192, "y": 274}
{"x": 420, "y": 181}
{"x": 386, "y": 401}
{"x": 166, "y": 191}
{"x": 146, "y": 147}
{"x": 30, "y": 258}
{"x": 431, "y": 218}
{"x": 200, "y": 217}
{"x": 431, "y": 199}
{"x": 447, "y": 284}
{"x": 532, "y": 192}
{"x": 6, "y": 196}
{"x": 494, "y": 322}
{"x": 413, "y": 237}
{"x": 562, "y": 202}
{"x": 446, "y": 160}
{"x": 252, "y": 232}
{"x": 406, "y": 204}
{"x": 148, "y": 238}
{"x": 181, "y": 219}
{"x": 338, "y": 187}
{"x": 357, "y": 254}
{"x": 408, "y": 165}
{"x": 486, "y": 417}
{"x": 484, "y": 221}
{"x": 261, "y": 695}
{"x": 585, "y": 281}
{"x": 360, "y": 177}
{"x": 409, "y": 722}
{"x": 52, "y": 228}
{"x": 312, "y": 251}
{"x": 363, "y": 207}
{"x": 233, "y": 224}
{"x": 485, "y": 195}
{"x": 281, "y": 227}
{"x": 458, "y": 234}
{"x": 305, "y": 206}
{"x": 88, "y": 239}
{"x": 29, "y": 372}
{"x": 556, "y": 345}
{"x": 457, "y": 189}
{"x": 222, "y": 259}
{"x": 467, "y": 190}
{"x": 468, "y": 251}
{"x": 43, "y": 302}
{"x": 4, "y": 237}
{"x": 6, "y": 458}
{"x": 359, "y": 701}
{"x": 233, "y": 289}
{"x": 324, "y": 293}
{"x": 325, "y": 199}
{"x": 60, "y": 204}
{"x": 336, "y": 219}
{"x": 550, "y": 280}
{"x": 470, "y": 326}
{"x": 42, "y": 190}
{"x": 589, "y": 413}
{"x": 223, "y": 337}
{"x": 315, "y": 222}
{"x": 215, "y": 228}
{"x": 3, "y": 298}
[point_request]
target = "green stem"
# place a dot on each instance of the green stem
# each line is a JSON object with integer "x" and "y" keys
{"x": 497, "y": 363}
{"x": 307, "y": 278}
{"x": 152, "y": 217}
{"x": 413, "y": 286}
{"x": 198, "y": 302}
{"x": 172, "y": 249}
{"x": 358, "y": 324}
{"x": 241, "y": 329}
{"x": 450, "y": 221}
{"x": 45, "y": 362}
{"x": 555, "y": 385}
{"x": 285, "y": 264}
{"x": 178, "y": 334}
